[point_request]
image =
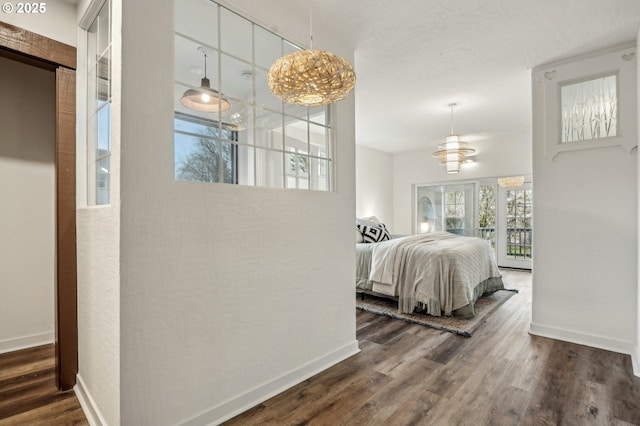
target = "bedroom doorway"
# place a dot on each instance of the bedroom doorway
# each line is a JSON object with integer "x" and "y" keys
{"x": 41, "y": 52}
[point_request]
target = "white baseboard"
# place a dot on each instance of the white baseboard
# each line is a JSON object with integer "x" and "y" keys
{"x": 599, "y": 342}
{"x": 88, "y": 404}
{"x": 25, "y": 342}
{"x": 236, "y": 405}
{"x": 635, "y": 360}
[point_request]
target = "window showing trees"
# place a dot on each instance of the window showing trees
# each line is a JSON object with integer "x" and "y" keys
{"x": 487, "y": 213}
{"x": 519, "y": 212}
{"x": 201, "y": 151}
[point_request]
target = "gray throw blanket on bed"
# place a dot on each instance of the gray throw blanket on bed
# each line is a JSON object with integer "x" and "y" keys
{"x": 439, "y": 270}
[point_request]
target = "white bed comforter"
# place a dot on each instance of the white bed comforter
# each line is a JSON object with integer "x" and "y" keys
{"x": 439, "y": 270}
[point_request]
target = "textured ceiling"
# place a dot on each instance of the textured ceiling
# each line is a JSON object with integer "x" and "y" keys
{"x": 414, "y": 57}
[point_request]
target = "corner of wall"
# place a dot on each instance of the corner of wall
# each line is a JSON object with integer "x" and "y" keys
{"x": 635, "y": 360}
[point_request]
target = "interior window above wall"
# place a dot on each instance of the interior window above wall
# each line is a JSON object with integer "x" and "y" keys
{"x": 258, "y": 140}
{"x": 99, "y": 107}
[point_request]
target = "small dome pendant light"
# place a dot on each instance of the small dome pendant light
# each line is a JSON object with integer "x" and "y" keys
{"x": 204, "y": 98}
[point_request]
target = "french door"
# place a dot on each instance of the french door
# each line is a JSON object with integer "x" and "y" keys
{"x": 514, "y": 230}
{"x": 502, "y": 216}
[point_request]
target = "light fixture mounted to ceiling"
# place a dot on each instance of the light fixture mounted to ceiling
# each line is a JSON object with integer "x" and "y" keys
{"x": 511, "y": 181}
{"x": 454, "y": 152}
{"x": 311, "y": 77}
{"x": 204, "y": 98}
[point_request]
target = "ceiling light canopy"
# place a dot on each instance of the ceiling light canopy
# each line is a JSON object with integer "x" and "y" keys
{"x": 204, "y": 98}
{"x": 454, "y": 152}
{"x": 311, "y": 77}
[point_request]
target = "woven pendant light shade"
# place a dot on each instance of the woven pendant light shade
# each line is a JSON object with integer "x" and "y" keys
{"x": 311, "y": 78}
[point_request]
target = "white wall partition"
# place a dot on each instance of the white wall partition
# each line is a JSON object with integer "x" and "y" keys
{"x": 229, "y": 294}
{"x": 374, "y": 185}
{"x": 636, "y": 355}
{"x": 27, "y": 188}
{"x": 585, "y": 211}
{"x": 98, "y": 244}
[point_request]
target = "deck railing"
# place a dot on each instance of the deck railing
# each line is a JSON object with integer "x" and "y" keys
{"x": 519, "y": 240}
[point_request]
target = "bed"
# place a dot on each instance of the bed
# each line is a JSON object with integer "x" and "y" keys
{"x": 438, "y": 273}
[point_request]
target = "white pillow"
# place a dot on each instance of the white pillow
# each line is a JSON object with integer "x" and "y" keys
{"x": 359, "y": 237}
{"x": 368, "y": 221}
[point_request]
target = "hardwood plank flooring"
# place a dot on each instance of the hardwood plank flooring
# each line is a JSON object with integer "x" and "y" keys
{"x": 407, "y": 374}
{"x": 28, "y": 392}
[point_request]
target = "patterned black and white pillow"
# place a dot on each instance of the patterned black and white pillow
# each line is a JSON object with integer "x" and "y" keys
{"x": 374, "y": 233}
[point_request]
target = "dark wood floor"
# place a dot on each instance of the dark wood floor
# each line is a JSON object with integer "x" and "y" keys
{"x": 407, "y": 374}
{"x": 28, "y": 393}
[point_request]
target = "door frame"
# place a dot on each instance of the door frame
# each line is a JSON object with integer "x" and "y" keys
{"x": 36, "y": 50}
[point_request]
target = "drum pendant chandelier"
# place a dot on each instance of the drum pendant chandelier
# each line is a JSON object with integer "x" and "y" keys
{"x": 454, "y": 152}
{"x": 311, "y": 77}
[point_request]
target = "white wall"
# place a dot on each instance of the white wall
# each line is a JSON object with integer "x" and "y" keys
{"x": 229, "y": 294}
{"x": 635, "y": 357}
{"x": 498, "y": 155}
{"x": 374, "y": 185}
{"x": 98, "y": 249}
{"x": 27, "y": 188}
{"x": 58, "y": 22}
{"x": 585, "y": 233}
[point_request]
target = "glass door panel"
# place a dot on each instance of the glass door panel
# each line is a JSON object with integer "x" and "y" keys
{"x": 448, "y": 208}
{"x": 515, "y": 230}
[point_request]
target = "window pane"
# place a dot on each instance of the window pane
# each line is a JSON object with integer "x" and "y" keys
{"x": 319, "y": 115}
{"x": 240, "y": 118}
{"x": 237, "y": 79}
{"x": 589, "y": 109}
{"x": 236, "y": 34}
{"x": 102, "y": 180}
{"x": 320, "y": 174}
{"x": 268, "y": 47}
{"x": 264, "y": 97}
{"x": 204, "y": 160}
{"x": 104, "y": 131}
{"x": 103, "y": 29}
{"x": 269, "y": 168}
{"x": 296, "y": 135}
{"x": 198, "y": 20}
{"x": 297, "y": 111}
{"x": 103, "y": 80}
{"x": 269, "y": 129}
{"x": 297, "y": 165}
{"x": 319, "y": 138}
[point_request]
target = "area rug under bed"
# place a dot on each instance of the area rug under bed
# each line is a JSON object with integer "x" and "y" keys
{"x": 464, "y": 327}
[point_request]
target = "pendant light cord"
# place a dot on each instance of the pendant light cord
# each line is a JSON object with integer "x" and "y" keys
{"x": 205, "y": 65}
{"x": 311, "y": 23}
{"x": 452, "y": 106}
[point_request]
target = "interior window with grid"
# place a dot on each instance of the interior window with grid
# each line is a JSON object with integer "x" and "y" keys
{"x": 254, "y": 138}
{"x": 99, "y": 107}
